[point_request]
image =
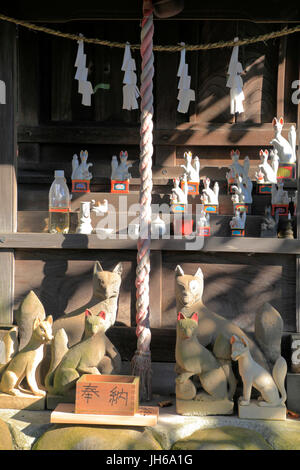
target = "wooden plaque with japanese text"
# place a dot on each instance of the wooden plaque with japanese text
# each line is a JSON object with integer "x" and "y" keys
{"x": 107, "y": 395}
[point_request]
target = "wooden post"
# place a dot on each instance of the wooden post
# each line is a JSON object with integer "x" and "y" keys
{"x": 8, "y": 151}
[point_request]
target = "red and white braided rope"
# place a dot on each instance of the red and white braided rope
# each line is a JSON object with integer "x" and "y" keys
{"x": 146, "y": 152}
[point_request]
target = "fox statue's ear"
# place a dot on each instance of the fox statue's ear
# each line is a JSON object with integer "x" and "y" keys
{"x": 102, "y": 315}
{"x": 97, "y": 268}
{"x": 180, "y": 316}
{"x": 274, "y": 121}
{"x": 49, "y": 319}
{"x": 238, "y": 152}
{"x": 233, "y": 340}
{"x": 118, "y": 269}
{"x": 244, "y": 341}
{"x": 179, "y": 271}
{"x": 36, "y": 322}
{"x": 281, "y": 120}
{"x": 261, "y": 152}
{"x": 88, "y": 313}
{"x": 199, "y": 273}
{"x": 195, "y": 317}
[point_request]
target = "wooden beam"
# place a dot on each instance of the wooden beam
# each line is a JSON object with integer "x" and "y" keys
{"x": 8, "y": 186}
{"x": 187, "y": 134}
{"x": 281, "y": 76}
{"x": 48, "y": 241}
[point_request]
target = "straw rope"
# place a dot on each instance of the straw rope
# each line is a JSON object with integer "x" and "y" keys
{"x": 171, "y": 48}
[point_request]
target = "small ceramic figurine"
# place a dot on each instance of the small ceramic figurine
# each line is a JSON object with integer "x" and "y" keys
{"x": 119, "y": 171}
{"x": 267, "y": 173}
{"x": 243, "y": 191}
{"x": 158, "y": 227}
{"x": 85, "y": 223}
{"x": 191, "y": 168}
{"x": 203, "y": 224}
{"x": 210, "y": 196}
{"x": 253, "y": 375}
{"x": 100, "y": 209}
{"x": 279, "y": 196}
{"x": 236, "y": 169}
{"x": 286, "y": 148}
{"x": 180, "y": 196}
{"x": 238, "y": 221}
{"x": 269, "y": 224}
{"x": 285, "y": 228}
{"x": 26, "y": 361}
{"x": 81, "y": 171}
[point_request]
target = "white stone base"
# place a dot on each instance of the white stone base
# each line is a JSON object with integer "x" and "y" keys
{"x": 204, "y": 405}
{"x": 22, "y": 402}
{"x": 254, "y": 411}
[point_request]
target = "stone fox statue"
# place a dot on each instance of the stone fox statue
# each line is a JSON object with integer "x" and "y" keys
{"x": 106, "y": 289}
{"x": 95, "y": 354}
{"x": 253, "y": 375}
{"x": 25, "y": 362}
{"x": 189, "y": 291}
{"x": 194, "y": 359}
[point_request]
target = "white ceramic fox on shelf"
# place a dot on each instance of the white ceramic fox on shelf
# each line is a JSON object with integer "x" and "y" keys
{"x": 286, "y": 148}
{"x": 81, "y": 171}
{"x": 191, "y": 168}
{"x": 180, "y": 196}
{"x": 238, "y": 221}
{"x": 279, "y": 196}
{"x": 236, "y": 169}
{"x": 210, "y": 196}
{"x": 242, "y": 191}
{"x": 119, "y": 171}
{"x": 267, "y": 173}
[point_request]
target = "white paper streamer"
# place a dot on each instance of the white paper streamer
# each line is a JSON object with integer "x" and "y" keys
{"x": 130, "y": 89}
{"x": 84, "y": 86}
{"x": 235, "y": 82}
{"x": 185, "y": 94}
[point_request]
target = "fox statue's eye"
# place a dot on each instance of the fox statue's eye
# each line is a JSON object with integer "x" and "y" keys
{"x": 194, "y": 286}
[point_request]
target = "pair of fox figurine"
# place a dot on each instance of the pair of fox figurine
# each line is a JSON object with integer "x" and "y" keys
{"x": 78, "y": 341}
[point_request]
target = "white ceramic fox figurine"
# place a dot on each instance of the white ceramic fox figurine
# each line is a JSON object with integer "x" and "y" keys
{"x": 191, "y": 168}
{"x": 210, "y": 196}
{"x": 239, "y": 221}
{"x": 180, "y": 196}
{"x": 81, "y": 171}
{"x": 268, "y": 172}
{"x": 253, "y": 375}
{"x": 286, "y": 148}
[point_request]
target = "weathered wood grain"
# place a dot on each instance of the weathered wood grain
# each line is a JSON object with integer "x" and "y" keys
{"x": 8, "y": 151}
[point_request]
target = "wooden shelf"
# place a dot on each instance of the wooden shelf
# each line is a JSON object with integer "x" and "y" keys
{"x": 49, "y": 241}
{"x": 186, "y": 134}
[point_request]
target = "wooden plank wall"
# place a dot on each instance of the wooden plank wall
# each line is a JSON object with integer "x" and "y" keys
{"x": 53, "y": 125}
